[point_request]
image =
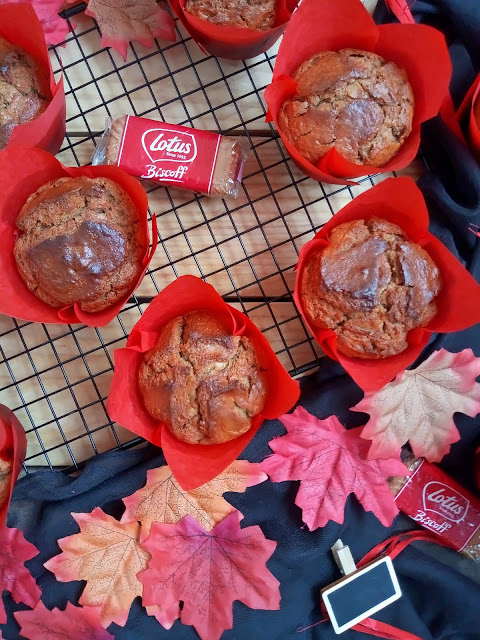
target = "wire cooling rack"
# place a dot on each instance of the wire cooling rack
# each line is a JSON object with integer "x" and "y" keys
{"x": 55, "y": 377}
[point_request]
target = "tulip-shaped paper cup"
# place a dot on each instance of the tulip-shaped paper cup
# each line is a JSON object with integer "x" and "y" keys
{"x": 468, "y": 116}
{"x": 331, "y": 25}
{"x": 401, "y": 202}
{"x": 192, "y": 464}
{"x": 20, "y": 26}
{"x": 235, "y": 43}
{"x": 22, "y": 171}
{"x": 13, "y": 447}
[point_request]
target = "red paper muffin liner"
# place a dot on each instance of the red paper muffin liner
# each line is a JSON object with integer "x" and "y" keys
{"x": 233, "y": 42}
{"x": 400, "y": 201}
{"x": 20, "y": 26}
{"x": 332, "y": 25}
{"x": 468, "y": 117}
{"x": 22, "y": 171}
{"x": 192, "y": 465}
{"x": 13, "y": 447}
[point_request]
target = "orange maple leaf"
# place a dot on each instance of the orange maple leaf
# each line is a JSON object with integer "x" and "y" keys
{"x": 163, "y": 500}
{"x": 107, "y": 554}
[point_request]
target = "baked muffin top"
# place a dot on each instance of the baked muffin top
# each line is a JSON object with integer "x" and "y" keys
{"x": 23, "y": 92}
{"x": 80, "y": 241}
{"x": 352, "y": 100}
{"x": 200, "y": 380}
{"x": 249, "y": 14}
{"x": 371, "y": 286}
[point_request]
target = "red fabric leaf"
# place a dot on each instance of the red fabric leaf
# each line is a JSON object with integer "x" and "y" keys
{"x": 107, "y": 554}
{"x": 54, "y": 27}
{"x": 123, "y": 21}
{"x": 208, "y": 571}
{"x": 331, "y": 462}
{"x": 77, "y": 623}
{"x": 418, "y": 406}
{"x": 14, "y": 576}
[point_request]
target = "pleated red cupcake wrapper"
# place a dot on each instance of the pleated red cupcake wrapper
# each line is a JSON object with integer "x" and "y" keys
{"x": 192, "y": 465}
{"x": 468, "y": 119}
{"x": 20, "y": 26}
{"x": 22, "y": 171}
{"x": 332, "y": 25}
{"x": 400, "y": 201}
{"x": 13, "y": 447}
{"x": 233, "y": 42}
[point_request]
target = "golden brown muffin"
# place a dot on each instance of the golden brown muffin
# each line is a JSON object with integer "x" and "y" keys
{"x": 23, "y": 92}
{"x": 80, "y": 241}
{"x": 249, "y": 14}
{"x": 205, "y": 384}
{"x": 371, "y": 286}
{"x": 352, "y": 100}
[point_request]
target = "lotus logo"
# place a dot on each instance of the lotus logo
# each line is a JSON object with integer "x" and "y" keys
{"x": 169, "y": 146}
{"x": 442, "y": 499}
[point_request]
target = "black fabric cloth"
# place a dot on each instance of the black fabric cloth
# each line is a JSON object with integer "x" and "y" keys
{"x": 441, "y": 595}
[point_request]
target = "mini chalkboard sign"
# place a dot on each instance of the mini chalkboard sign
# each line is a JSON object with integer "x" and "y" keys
{"x": 362, "y": 592}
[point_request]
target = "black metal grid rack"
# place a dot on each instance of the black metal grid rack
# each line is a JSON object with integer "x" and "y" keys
{"x": 56, "y": 377}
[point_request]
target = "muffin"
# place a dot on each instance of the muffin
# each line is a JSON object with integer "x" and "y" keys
{"x": 80, "y": 240}
{"x": 371, "y": 286}
{"x": 350, "y": 100}
{"x": 248, "y": 14}
{"x": 23, "y": 92}
{"x": 204, "y": 383}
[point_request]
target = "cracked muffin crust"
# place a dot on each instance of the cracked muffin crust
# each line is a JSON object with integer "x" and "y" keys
{"x": 371, "y": 286}
{"x": 80, "y": 241}
{"x": 205, "y": 384}
{"x": 352, "y": 100}
{"x": 23, "y": 93}
{"x": 249, "y": 14}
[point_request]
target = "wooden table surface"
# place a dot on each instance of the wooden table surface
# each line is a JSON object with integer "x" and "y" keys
{"x": 56, "y": 377}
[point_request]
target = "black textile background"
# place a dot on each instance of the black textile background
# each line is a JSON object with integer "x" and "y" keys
{"x": 439, "y": 602}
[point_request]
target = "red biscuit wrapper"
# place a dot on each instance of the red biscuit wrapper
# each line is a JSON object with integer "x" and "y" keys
{"x": 332, "y": 25}
{"x": 468, "y": 116}
{"x": 400, "y": 201}
{"x": 431, "y": 498}
{"x": 234, "y": 43}
{"x": 20, "y": 26}
{"x": 13, "y": 447}
{"x": 192, "y": 465}
{"x": 22, "y": 171}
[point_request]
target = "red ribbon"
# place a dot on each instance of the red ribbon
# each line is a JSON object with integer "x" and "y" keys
{"x": 391, "y": 547}
{"x": 401, "y": 10}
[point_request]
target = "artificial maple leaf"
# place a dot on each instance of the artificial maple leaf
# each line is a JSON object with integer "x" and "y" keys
{"x": 107, "y": 554}
{"x": 54, "y": 27}
{"x": 208, "y": 570}
{"x": 75, "y": 623}
{"x": 330, "y": 462}
{"x": 14, "y": 576}
{"x": 123, "y": 21}
{"x": 419, "y": 404}
{"x": 163, "y": 500}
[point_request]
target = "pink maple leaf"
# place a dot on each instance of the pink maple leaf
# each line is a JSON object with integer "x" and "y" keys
{"x": 55, "y": 27}
{"x": 418, "y": 406}
{"x": 208, "y": 571}
{"x": 77, "y": 623}
{"x": 14, "y": 576}
{"x": 124, "y": 21}
{"x": 331, "y": 462}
